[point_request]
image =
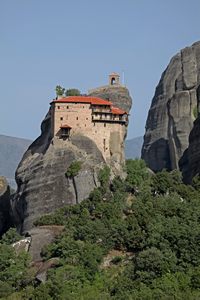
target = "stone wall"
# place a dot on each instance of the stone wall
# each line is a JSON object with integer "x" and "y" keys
{"x": 79, "y": 117}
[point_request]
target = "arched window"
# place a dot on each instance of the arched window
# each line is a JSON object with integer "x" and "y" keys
{"x": 113, "y": 81}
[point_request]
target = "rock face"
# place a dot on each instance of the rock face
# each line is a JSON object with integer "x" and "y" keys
{"x": 190, "y": 161}
{"x": 118, "y": 95}
{"x": 5, "y": 208}
{"x": 40, "y": 176}
{"x": 172, "y": 112}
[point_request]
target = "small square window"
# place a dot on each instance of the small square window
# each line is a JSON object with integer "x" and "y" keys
{"x": 58, "y": 107}
{"x": 61, "y": 118}
{"x": 67, "y": 107}
{"x": 76, "y": 118}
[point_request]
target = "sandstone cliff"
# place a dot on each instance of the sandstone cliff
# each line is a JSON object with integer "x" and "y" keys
{"x": 40, "y": 176}
{"x": 172, "y": 112}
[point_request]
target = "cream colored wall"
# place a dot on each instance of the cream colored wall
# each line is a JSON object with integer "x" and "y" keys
{"x": 99, "y": 132}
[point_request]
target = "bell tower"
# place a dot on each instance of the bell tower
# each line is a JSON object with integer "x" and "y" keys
{"x": 114, "y": 79}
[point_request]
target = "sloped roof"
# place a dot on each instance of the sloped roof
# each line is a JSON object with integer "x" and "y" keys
{"x": 83, "y": 99}
{"x": 117, "y": 111}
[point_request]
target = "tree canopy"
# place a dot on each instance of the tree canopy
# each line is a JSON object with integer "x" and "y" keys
{"x": 136, "y": 238}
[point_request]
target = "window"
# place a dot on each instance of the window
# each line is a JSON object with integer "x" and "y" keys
{"x": 76, "y": 118}
{"x": 94, "y": 124}
{"x": 58, "y": 107}
{"x": 61, "y": 118}
{"x": 67, "y": 106}
{"x": 86, "y": 118}
{"x": 104, "y": 124}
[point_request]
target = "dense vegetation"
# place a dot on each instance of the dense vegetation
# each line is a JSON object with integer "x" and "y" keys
{"x": 132, "y": 239}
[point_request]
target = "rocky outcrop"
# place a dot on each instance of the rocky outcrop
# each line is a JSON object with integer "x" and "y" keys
{"x": 190, "y": 161}
{"x": 172, "y": 112}
{"x": 41, "y": 237}
{"x": 117, "y": 94}
{"x": 42, "y": 183}
{"x": 5, "y": 208}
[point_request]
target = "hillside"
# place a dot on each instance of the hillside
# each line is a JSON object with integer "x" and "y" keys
{"x": 133, "y": 147}
{"x": 11, "y": 151}
{"x": 131, "y": 239}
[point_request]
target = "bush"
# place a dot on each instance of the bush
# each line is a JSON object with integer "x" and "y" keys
{"x": 73, "y": 169}
{"x": 10, "y": 237}
{"x": 72, "y": 92}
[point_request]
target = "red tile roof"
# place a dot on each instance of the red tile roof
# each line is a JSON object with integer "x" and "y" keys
{"x": 117, "y": 111}
{"x": 65, "y": 126}
{"x": 83, "y": 99}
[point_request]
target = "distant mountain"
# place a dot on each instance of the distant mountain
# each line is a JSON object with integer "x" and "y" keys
{"x": 133, "y": 147}
{"x": 11, "y": 152}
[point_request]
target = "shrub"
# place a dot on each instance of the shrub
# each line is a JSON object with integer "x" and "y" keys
{"x": 73, "y": 169}
{"x": 72, "y": 92}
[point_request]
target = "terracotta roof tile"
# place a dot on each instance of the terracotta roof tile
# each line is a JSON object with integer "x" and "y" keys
{"x": 83, "y": 99}
{"x": 117, "y": 111}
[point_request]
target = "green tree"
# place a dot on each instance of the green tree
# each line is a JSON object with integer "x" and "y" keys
{"x": 137, "y": 174}
{"x": 59, "y": 90}
{"x": 72, "y": 92}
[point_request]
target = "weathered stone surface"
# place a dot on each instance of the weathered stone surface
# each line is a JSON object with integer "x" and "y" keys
{"x": 42, "y": 183}
{"x": 171, "y": 115}
{"x": 118, "y": 95}
{"x": 22, "y": 245}
{"x": 5, "y": 219}
{"x": 40, "y": 237}
{"x": 190, "y": 161}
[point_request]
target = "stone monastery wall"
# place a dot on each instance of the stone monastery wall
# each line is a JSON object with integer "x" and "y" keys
{"x": 108, "y": 136}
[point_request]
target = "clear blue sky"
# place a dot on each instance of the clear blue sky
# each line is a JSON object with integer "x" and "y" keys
{"x": 77, "y": 43}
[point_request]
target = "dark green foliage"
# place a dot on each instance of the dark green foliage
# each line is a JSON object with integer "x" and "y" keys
{"x": 164, "y": 182}
{"x": 60, "y": 90}
{"x": 104, "y": 176}
{"x": 137, "y": 174}
{"x": 73, "y": 169}
{"x": 10, "y": 237}
{"x": 150, "y": 220}
{"x": 13, "y": 269}
{"x": 72, "y": 92}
